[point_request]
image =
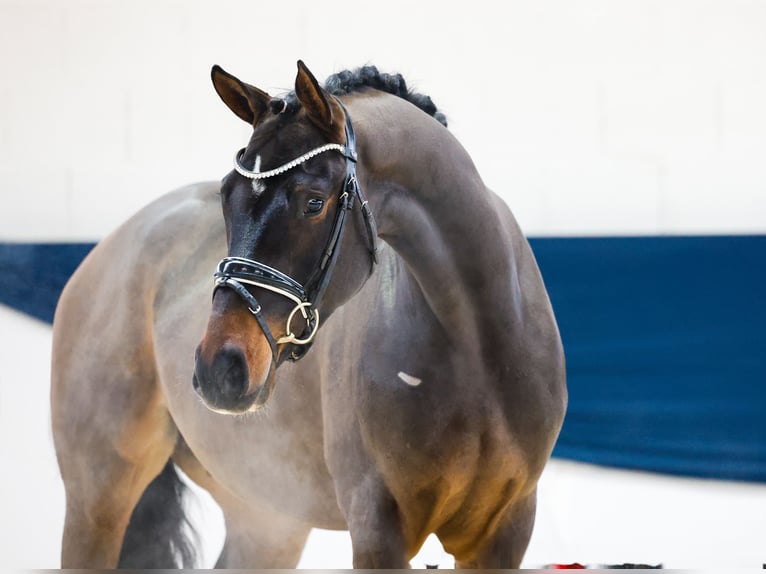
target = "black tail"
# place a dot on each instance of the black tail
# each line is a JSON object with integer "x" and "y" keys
{"x": 159, "y": 534}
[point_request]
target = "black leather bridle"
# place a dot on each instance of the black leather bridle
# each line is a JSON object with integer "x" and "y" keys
{"x": 236, "y": 272}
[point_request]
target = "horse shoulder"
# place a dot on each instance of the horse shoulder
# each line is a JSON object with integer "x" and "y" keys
{"x": 535, "y": 368}
{"x": 103, "y": 334}
{"x": 177, "y": 223}
{"x": 110, "y": 423}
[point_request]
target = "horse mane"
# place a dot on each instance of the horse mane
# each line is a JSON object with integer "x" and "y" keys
{"x": 350, "y": 81}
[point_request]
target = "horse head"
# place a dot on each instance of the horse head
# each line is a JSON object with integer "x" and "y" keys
{"x": 286, "y": 204}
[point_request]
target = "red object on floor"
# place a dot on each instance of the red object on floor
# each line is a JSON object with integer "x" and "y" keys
{"x": 572, "y": 566}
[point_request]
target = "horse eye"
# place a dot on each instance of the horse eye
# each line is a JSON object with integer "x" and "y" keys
{"x": 314, "y": 205}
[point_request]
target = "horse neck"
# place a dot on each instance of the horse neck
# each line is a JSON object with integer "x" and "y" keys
{"x": 434, "y": 210}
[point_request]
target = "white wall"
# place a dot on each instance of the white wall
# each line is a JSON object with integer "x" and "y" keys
{"x": 589, "y": 117}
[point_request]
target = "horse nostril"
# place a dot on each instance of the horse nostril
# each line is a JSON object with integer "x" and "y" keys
{"x": 229, "y": 371}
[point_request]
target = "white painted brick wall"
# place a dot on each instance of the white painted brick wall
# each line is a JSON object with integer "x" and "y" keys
{"x": 594, "y": 117}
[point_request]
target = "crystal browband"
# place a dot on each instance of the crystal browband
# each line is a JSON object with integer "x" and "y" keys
{"x": 290, "y": 164}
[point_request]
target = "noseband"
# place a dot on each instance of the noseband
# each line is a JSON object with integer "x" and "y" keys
{"x": 236, "y": 272}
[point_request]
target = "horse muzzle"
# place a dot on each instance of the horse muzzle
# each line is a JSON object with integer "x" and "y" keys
{"x": 227, "y": 384}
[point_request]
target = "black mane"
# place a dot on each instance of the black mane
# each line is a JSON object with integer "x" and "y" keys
{"x": 349, "y": 81}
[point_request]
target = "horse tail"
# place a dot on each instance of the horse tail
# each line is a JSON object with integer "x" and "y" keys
{"x": 159, "y": 534}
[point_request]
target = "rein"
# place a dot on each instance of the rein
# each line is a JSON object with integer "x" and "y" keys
{"x": 236, "y": 272}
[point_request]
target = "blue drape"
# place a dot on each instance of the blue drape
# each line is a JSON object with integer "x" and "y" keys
{"x": 32, "y": 275}
{"x": 665, "y": 340}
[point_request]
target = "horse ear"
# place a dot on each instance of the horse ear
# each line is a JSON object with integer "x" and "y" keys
{"x": 246, "y": 101}
{"x": 320, "y": 107}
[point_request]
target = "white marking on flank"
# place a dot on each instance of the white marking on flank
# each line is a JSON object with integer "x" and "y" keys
{"x": 409, "y": 379}
{"x": 258, "y": 186}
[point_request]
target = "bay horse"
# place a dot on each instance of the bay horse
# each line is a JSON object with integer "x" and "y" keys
{"x": 379, "y": 353}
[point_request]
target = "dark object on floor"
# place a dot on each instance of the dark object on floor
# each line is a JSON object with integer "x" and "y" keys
{"x": 630, "y": 566}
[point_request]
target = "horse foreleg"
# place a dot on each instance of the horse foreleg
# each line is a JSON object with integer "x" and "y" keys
{"x": 109, "y": 449}
{"x": 256, "y": 536}
{"x": 374, "y": 522}
{"x": 506, "y": 547}
{"x": 97, "y": 516}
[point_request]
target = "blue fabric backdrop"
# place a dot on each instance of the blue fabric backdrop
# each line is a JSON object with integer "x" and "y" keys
{"x": 665, "y": 340}
{"x": 32, "y": 275}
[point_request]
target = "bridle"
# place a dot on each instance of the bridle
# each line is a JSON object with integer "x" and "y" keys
{"x": 236, "y": 272}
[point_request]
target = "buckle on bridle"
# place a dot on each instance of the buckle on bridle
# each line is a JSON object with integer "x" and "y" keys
{"x": 290, "y": 337}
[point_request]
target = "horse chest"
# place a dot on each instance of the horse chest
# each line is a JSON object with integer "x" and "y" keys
{"x": 444, "y": 462}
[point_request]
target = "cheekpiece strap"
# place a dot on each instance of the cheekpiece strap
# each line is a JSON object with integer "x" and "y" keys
{"x": 253, "y": 306}
{"x": 354, "y": 189}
